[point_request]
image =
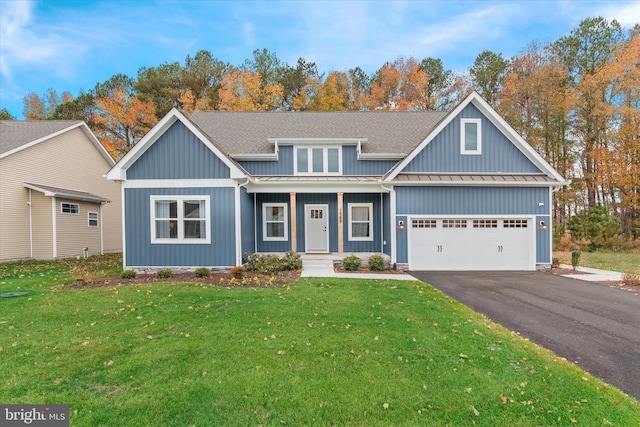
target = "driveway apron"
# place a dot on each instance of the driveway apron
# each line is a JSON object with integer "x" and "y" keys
{"x": 594, "y": 326}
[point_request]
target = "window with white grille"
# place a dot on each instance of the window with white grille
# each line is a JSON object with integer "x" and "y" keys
{"x": 423, "y": 223}
{"x": 515, "y": 223}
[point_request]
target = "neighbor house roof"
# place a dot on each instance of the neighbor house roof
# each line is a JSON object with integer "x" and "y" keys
{"x": 17, "y": 135}
{"x": 66, "y": 193}
{"x": 381, "y": 132}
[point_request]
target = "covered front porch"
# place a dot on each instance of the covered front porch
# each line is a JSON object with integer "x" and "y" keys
{"x": 323, "y": 223}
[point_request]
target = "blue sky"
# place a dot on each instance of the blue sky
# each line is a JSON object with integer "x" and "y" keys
{"x": 69, "y": 45}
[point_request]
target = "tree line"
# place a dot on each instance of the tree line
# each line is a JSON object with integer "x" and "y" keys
{"x": 576, "y": 100}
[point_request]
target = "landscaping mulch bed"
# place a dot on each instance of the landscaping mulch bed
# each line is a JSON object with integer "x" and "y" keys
{"x": 367, "y": 270}
{"x": 254, "y": 279}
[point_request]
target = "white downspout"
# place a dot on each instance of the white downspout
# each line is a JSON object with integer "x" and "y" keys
{"x": 392, "y": 218}
{"x": 54, "y": 225}
{"x": 239, "y": 222}
{"x": 30, "y": 227}
{"x": 101, "y": 230}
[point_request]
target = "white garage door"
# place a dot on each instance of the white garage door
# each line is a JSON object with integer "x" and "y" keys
{"x": 471, "y": 244}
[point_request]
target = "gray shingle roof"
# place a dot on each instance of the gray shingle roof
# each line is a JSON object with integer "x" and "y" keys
{"x": 16, "y": 133}
{"x": 248, "y": 132}
{"x": 66, "y": 193}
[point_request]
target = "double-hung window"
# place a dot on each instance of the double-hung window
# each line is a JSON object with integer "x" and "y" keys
{"x": 92, "y": 218}
{"x": 180, "y": 219}
{"x": 360, "y": 221}
{"x": 274, "y": 218}
{"x": 317, "y": 160}
{"x": 471, "y": 136}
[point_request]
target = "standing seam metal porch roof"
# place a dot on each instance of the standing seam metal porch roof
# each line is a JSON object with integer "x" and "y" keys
{"x": 386, "y": 132}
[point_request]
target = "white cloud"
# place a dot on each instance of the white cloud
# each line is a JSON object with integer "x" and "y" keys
{"x": 23, "y": 43}
{"x": 626, "y": 14}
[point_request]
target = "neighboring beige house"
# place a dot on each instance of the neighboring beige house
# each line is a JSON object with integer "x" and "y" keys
{"x": 54, "y": 199}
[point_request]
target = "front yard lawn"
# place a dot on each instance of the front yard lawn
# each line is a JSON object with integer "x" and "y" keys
{"x": 319, "y": 352}
{"x": 624, "y": 262}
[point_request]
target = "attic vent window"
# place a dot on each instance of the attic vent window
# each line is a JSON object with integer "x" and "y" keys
{"x": 317, "y": 160}
{"x": 471, "y": 136}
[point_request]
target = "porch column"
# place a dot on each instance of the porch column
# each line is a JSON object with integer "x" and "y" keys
{"x": 292, "y": 200}
{"x": 340, "y": 224}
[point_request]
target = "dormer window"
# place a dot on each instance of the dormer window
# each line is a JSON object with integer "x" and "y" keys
{"x": 471, "y": 136}
{"x": 317, "y": 160}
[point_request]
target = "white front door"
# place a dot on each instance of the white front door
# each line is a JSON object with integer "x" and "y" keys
{"x": 316, "y": 228}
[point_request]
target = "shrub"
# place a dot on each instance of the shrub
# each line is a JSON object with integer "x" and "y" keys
{"x": 271, "y": 264}
{"x": 351, "y": 263}
{"x": 630, "y": 279}
{"x": 291, "y": 261}
{"x": 238, "y": 272}
{"x": 202, "y": 272}
{"x": 163, "y": 274}
{"x": 555, "y": 262}
{"x": 575, "y": 259}
{"x": 595, "y": 225}
{"x": 376, "y": 262}
{"x": 128, "y": 274}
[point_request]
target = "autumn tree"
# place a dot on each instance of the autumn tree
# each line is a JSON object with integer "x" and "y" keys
{"x": 331, "y": 95}
{"x": 583, "y": 52}
{"x": 243, "y": 91}
{"x": 400, "y": 85}
{"x": 619, "y": 160}
{"x": 42, "y": 107}
{"x": 536, "y": 101}
{"x": 121, "y": 118}
{"x": 487, "y": 73}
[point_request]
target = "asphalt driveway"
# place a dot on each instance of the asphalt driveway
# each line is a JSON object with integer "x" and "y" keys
{"x": 594, "y": 326}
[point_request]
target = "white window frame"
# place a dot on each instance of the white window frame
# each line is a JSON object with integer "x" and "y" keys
{"x": 180, "y": 220}
{"x": 463, "y": 147}
{"x": 77, "y": 205}
{"x": 325, "y": 160}
{"x": 96, "y": 219}
{"x": 284, "y": 207}
{"x": 368, "y": 238}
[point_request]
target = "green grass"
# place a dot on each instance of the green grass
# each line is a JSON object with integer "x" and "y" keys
{"x": 624, "y": 262}
{"x": 319, "y": 352}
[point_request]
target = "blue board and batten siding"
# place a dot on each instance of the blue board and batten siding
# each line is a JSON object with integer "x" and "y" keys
{"x": 469, "y": 201}
{"x": 140, "y": 252}
{"x": 178, "y": 154}
{"x": 272, "y": 245}
{"x": 443, "y": 155}
{"x": 351, "y": 166}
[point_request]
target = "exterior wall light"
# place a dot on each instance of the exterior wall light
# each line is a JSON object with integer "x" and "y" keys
{"x": 543, "y": 225}
{"x": 400, "y": 225}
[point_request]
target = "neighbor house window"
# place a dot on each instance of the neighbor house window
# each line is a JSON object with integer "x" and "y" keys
{"x": 274, "y": 218}
{"x": 360, "y": 221}
{"x": 471, "y": 136}
{"x": 317, "y": 160}
{"x": 93, "y": 219}
{"x": 180, "y": 219}
{"x": 70, "y": 208}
